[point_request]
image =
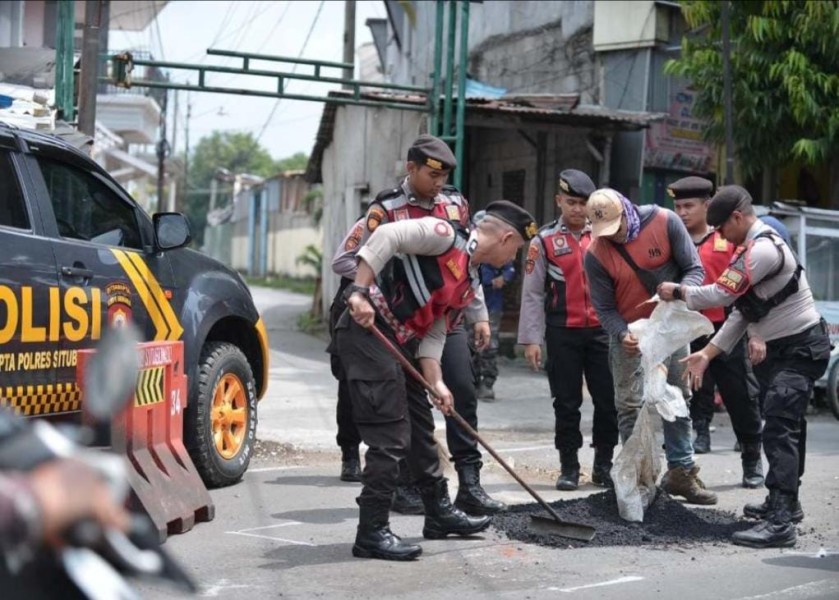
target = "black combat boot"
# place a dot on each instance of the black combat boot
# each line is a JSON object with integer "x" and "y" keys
{"x": 441, "y": 518}
{"x": 777, "y": 530}
{"x": 752, "y": 466}
{"x": 600, "y": 471}
{"x": 702, "y": 443}
{"x": 471, "y": 497}
{"x": 759, "y": 511}
{"x": 350, "y": 464}
{"x": 406, "y": 498}
{"x": 569, "y": 471}
{"x": 374, "y": 538}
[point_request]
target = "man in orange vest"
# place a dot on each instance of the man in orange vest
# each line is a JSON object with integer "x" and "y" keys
{"x": 556, "y": 307}
{"x": 634, "y": 249}
{"x": 731, "y": 372}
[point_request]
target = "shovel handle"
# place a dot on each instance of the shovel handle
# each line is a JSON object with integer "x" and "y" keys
{"x": 406, "y": 364}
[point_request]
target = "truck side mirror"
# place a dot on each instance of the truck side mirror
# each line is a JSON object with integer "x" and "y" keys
{"x": 171, "y": 230}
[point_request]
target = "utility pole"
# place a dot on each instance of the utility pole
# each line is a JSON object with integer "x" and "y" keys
{"x": 349, "y": 38}
{"x": 162, "y": 151}
{"x": 89, "y": 77}
{"x": 186, "y": 145}
{"x": 726, "y": 78}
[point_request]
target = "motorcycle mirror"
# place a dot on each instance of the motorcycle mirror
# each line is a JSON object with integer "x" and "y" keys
{"x": 111, "y": 374}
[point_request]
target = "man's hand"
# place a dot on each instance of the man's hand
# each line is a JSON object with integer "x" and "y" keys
{"x": 665, "y": 290}
{"x": 533, "y": 354}
{"x": 442, "y": 397}
{"x": 482, "y": 335}
{"x": 697, "y": 364}
{"x": 68, "y": 491}
{"x": 629, "y": 342}
{"x": 361, "y": 310}
{"x": 757, "y": 350}
{"x": 498, "y": 282}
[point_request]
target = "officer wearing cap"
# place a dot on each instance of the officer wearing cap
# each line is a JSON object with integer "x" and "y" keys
{"x": 788, "y": 346}
{"x": 556, "y": 308}
{"x": 633, "y": 250}
{"x": 424, "y": 193}
{"x": 412, "y": 276}
{"x": 731, "y": 373}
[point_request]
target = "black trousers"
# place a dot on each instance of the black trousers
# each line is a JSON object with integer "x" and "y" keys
{"x": 786, "y": 379}
{"x": 391, "y": 411}
{"x": 348, "y": 435}
{"x": 732, "y": 374}
{"x": 459, "y": 377}
{"x": 574, "y": 352}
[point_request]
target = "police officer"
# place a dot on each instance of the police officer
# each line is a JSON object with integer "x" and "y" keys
{"x": 423, "y": 193}
{"x": 412, "y": 275}
{"x": 788, "y": 345}
{"x": 732, "y": 372}
{"x": 633, "y": 249}
{"x": 347, "y": 437}
{"x": 556, "y": 305}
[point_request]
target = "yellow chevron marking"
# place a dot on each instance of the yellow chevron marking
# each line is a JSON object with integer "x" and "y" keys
{"x": 149, "y": 388}
{"x": 175, "y": 329}
{"x": 161, "y": 329}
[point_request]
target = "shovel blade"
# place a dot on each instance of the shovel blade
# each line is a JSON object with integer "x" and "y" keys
{"x": 550, "y": 526}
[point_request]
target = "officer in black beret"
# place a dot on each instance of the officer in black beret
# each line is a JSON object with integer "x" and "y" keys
{"x": 575, "y": 183}
{"x": 432, "y": 152}
{"x": 515, "y": 215}
{"x": 424, "y": 192}
{"x": 731, "y": 373}
{"x": 690, "y": 187}
{"x": 728, "y": 199}
{"x": 556, "y": 310}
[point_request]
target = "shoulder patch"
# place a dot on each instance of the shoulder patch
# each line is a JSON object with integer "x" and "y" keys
{"x": 442, "y": 229}
{"x": 532, "y": 255}
{"x": 355, "y": 238}
{"x": 374, "y": 217}
{"x": 733, "y": 280}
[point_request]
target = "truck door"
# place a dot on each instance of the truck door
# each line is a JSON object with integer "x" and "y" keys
{"x": 106, "y": 275}
{"x": 28, "y": 288}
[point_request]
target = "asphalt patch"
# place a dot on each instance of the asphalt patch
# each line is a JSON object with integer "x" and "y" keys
{"x": 666, "y": 522}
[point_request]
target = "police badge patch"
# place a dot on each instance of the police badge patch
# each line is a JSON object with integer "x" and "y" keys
{"x": 401, "y": 214}
{"x": 374, "y": 218}
{"x": 453, "y": 212}
{"x": 532, "y": 255}
{"x": 733, "y": 281}
{"x": 561, "y": 246}
{"x": 355, "y": 238}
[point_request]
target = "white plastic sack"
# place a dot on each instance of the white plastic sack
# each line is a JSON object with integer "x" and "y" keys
{"x": 670, "y": 327}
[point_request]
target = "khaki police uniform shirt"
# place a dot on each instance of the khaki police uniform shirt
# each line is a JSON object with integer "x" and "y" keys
{"x": 345, "y": 261}
{"x": 793, "y": 315}
{"x": 428, "y": 236}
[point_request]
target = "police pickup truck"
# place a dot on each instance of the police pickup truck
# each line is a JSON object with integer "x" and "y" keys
{"x": 77, "y": 255}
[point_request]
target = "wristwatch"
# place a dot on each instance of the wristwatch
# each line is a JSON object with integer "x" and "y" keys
{"x": 353, "y": 288}
{"x": 677, "y": 292}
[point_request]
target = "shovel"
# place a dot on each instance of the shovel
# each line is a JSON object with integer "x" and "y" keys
{"x": 544, "y": 525}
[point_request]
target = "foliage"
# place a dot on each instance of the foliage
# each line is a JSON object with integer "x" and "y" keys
{"x": 300, "y": 285}
{"x": 313, "y": 257}
{"x": 313, "y": 204}
{"x": 295, "y": 162}
{"x": 785, "y": 81}
{"x": 236, "y": 152}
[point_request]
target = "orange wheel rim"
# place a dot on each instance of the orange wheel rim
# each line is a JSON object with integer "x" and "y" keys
{"x": 230, "y": 415}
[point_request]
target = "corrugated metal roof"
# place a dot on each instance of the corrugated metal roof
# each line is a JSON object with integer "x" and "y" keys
{"x": 532, "y": 109}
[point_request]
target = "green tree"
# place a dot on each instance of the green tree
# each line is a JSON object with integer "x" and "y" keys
{"x": 236, "y": 152}
{"x": 295, "y": 162}
{"x": 785, "y": 80}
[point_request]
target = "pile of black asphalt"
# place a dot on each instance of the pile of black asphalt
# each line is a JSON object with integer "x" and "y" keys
{"x": 666, "y": 522}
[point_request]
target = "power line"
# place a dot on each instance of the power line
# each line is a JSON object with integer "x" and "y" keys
{"x": 294, "y": 69}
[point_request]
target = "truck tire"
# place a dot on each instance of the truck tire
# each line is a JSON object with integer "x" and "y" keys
{"x": 225, "y": 415}
{"x": 833, "y": 389}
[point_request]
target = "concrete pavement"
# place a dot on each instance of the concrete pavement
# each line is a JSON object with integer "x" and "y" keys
{"x": 286, "y": 530}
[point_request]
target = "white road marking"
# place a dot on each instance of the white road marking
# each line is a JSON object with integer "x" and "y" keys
{"x": 247, "y": 533}
{"x": 267, "y": 469}
{"x": 813, "y": 589}
{"x": 216, "y": 589}
{"x": 620, "y": 580}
